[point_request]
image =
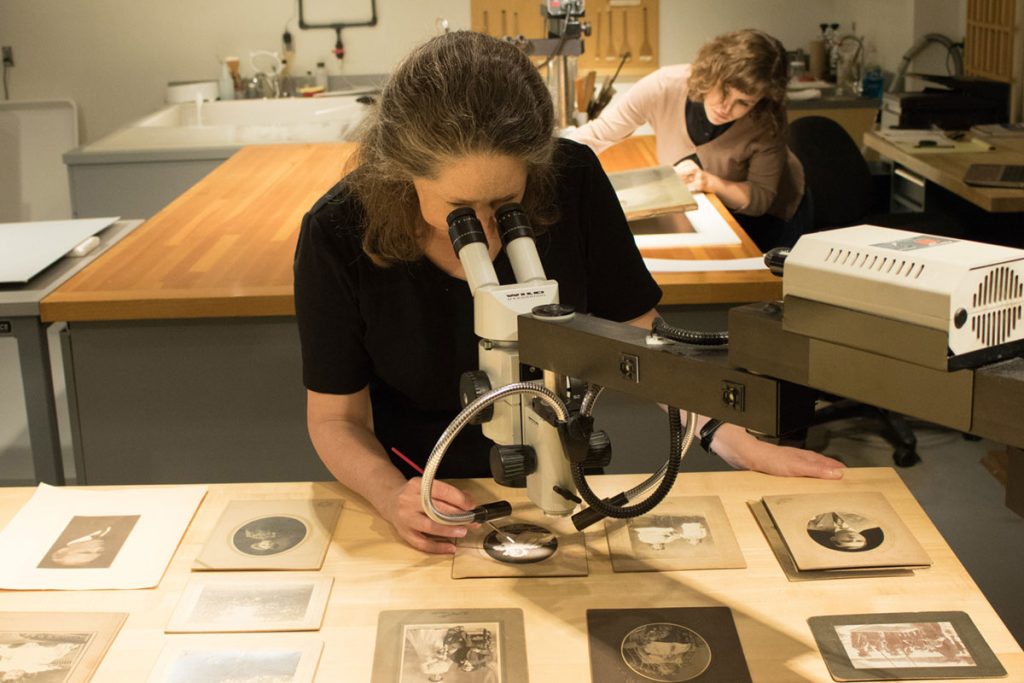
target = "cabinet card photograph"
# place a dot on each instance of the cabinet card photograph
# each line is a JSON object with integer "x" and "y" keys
{"x": 55, "y": 647}
{"x": 237, "y": 659}
{"x": 844, "y": 530}
{"x": 781, "y": 552}
{"x": 682, "y": 532}
{"x": 271, "y": 534}
{"x": 70, "y": 538}
{"x": 238, "y": 603}
{"x": 455, "y": 646}
{"x": 903, "y": 646}
{"x": 668, "y": 644}
{"x": 526, "y": 544}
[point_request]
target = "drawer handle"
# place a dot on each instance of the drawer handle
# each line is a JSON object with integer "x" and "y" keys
{"x": 909, "y": 177}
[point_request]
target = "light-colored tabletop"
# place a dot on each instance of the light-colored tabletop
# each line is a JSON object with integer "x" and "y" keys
{"x": 224, "y": 248}
{"x": 373, "y": 572}
{"x": 947, "y": 170}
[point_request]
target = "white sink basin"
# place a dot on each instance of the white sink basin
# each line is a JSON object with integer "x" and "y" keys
{"x": 238, "y": 122}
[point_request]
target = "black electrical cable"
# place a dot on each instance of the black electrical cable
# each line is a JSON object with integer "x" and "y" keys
{"x": 679, "y": 334}
{"x": 6, "y": 95}
{"x": 675, "y": 457}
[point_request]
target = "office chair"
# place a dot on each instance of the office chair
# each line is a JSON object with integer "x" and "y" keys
{"x": 842, "y": 189}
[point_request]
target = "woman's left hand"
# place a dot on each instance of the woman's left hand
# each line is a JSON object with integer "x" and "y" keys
{"x": 745, "y": 451}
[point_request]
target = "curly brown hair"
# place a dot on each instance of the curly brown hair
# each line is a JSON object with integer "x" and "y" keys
{"x": 458, "y": 94}
{"x": 750, "y": 61}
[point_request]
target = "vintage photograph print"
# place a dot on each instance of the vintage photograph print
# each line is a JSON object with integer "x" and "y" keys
{"x": 271, "y": 534}
{"x": 789, "y": 568}
{"x": 670, "y": 645}
{"x": 647, "y": 192}
{"x": 89, "y": 542}
{"x": 217, "y": 603}
{"x": 236, "y": 660}
{"x": 685, "y": 532}
{"x": 55, "y": 647}
{"x": 526, "y": 544}
{"x": 456, "y": 646}
{"x": 903, "y": 646}
{"x": 844, "y": 530}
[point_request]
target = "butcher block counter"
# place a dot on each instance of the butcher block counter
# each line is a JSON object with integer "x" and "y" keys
{"x": 224, "y": 248}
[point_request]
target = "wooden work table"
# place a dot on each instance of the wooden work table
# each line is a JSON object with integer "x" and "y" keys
{"x": 947, "y": 169}
{"x": 224, "y": 248}
{"x": 373, "y": 571}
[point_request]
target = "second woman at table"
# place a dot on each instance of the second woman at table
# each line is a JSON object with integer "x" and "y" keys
{"x": 721, "y": 122}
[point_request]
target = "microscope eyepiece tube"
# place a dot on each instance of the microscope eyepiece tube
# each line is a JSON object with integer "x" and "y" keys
{"x": 470, "y": 244}
{"x": 517, "y": 236}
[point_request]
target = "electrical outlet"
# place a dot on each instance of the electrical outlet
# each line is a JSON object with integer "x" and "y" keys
{"x": 8, "y": 53}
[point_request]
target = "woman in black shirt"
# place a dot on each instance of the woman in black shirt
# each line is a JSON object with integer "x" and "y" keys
{"x": 385, "y": 315}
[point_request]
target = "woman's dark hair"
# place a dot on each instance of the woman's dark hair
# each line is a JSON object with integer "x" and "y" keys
{"x": 459, "y": 94}
{"x": 750, "y": 61}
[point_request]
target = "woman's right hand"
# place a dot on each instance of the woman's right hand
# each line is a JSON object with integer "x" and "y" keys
{"x": 405, "y": 513}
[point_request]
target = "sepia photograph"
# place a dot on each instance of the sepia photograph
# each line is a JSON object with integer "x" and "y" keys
{"x": 271, "y": 535}
{"x": 844, "y": 531}
{"x": 70, "y": 538}
{"x": 666, "y": 652}
{"x": 89, "y": 542}
{"x": 236, "y": 660}
{"x": 250, "y": 603}
{"x": 451, "y": 652}
{"x": 789, "y": 568}
{"x": 455, "y": 646}
{"x": 526, "y": 544}
{"x": 869, "y": 647}
{"x": 686, "y": 532}
{"x": 669, "y": 645}
{"x": 39, "y": 647}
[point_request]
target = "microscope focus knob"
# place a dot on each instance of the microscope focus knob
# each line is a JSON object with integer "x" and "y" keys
{"x": 473, "y": 385}
{"x": 599, "y": 450}
{"x": 511, "y": 464}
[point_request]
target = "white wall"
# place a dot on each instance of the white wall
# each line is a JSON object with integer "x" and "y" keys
{"x": 114, "y": 57}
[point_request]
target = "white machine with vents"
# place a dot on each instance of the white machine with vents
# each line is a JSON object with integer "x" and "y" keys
{"x": 972, "y": 293}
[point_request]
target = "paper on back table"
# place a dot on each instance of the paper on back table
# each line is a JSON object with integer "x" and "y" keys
{"x": 26, "y": 249}
{"x": 164, "y": 514}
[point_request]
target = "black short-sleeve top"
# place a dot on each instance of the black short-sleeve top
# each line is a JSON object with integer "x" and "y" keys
{"x": 407, "y": 330}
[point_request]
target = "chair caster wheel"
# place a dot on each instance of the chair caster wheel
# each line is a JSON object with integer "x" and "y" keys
{"x": 905, "y": 457}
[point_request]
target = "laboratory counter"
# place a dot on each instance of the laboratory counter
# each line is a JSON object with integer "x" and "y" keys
{"x": 373, "y": 571}
{"x": 224, "y": 248}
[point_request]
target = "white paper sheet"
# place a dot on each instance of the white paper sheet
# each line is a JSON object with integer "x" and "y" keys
{"x": 139, "y": 527}
{"x": 710, "y": 227}
{"x": 28, "y": 248}
{"x": 664, "y": 265}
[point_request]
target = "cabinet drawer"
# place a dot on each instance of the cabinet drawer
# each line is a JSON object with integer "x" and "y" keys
{"x": 908, "y": 190}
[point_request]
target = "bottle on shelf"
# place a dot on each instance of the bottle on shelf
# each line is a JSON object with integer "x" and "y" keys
{"x": 226, "y": 84}
{"x": 321, "y": 75}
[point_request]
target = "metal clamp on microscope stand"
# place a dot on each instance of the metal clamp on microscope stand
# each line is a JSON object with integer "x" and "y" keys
{"x": 542, "y": 444}
{"x": 561, "y": 49}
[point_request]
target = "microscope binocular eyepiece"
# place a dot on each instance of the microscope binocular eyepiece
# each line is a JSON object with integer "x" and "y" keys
{"x": 464, "y": 228}
{"x": 513, "y": 222}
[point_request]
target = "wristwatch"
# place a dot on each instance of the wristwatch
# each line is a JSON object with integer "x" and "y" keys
{"x": 707, "y": 433}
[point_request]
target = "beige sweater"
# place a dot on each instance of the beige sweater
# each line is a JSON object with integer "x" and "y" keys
{"x": 746, "y": 152}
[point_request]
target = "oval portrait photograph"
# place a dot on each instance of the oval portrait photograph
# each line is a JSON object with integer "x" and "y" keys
{"x": 845, "y": 531}
{"x": 269, "y": 535}
{"x": 666, "y": 652}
